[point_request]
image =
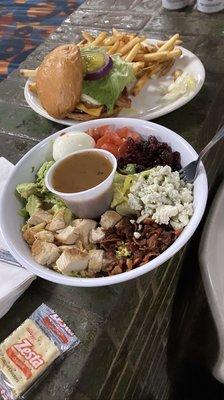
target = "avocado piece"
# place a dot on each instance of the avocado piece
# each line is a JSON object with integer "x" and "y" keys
{"x": 25, "y": 190}
{"x": 41, "y": 173}
{"x": 58, "y": 205}
{"x": 33, "y": 204}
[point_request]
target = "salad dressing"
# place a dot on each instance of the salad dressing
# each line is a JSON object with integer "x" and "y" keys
{"x": 81, "y": 171}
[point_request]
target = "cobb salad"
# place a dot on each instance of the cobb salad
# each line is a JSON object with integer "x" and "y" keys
{"x": 150, "y": 207}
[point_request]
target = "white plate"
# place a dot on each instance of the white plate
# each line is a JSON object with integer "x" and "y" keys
{"x": 23, "y": 172}
{"x": 149, "y": 104}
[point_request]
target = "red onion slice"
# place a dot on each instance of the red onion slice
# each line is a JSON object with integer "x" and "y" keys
{"x": 101, "y": 72}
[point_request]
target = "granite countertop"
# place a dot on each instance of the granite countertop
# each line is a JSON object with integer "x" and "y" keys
{"x": 124, "y": 329}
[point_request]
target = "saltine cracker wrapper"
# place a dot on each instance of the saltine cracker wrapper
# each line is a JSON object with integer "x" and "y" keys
{"x": 30, "y": 349}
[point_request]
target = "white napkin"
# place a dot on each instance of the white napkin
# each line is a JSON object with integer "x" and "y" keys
{"x": 14, "y": 280}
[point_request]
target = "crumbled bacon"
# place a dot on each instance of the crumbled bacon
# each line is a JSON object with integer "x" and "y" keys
{"x": 153, "y": 241}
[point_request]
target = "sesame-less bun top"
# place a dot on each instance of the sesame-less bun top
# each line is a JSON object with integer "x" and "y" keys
{"x": 59, "y": 80}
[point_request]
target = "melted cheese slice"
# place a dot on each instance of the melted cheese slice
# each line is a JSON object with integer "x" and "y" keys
{"x": 94, "y": 111}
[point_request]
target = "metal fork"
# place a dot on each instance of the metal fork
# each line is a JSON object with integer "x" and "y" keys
{"x": 189, "y": 173}
{"x": 7, "y": 257}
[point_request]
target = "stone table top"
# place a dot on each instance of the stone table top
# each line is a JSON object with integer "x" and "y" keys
{"x": 124, "y": 328}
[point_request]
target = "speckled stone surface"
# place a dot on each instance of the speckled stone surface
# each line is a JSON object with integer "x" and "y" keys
{"x": 124, "y": 329}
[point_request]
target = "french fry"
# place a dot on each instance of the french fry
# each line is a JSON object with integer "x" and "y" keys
{"x": 99, "y": 39}
{"x": 166, "y": 67}
{"x": 148, "y": 48}
{"x": 138, "y": 67}
{"x": 87, "y": 36}
{"x": 121, "y": 45}
{"x": 140, "y": 57}
{"x": 176, "y": 74}
{"x": 115, "y": 32}
{"x": 28, "y": 73}
{"x": 127, "y": 47}
{"x": 169, "y": 44}
{"x": 110, "y": 40}
{"x": 133, "y": 52}
{"x": 114, "y": 48}
{"x": 33, "y": 87}
{"x": 82, "y": 43}
{"x": 139, "y": 84}
{"x": 162, "y": 56}
{"x": 162, "y": 42}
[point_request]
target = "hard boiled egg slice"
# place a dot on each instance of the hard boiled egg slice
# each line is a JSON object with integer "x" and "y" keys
{"x": 69, "y": 142}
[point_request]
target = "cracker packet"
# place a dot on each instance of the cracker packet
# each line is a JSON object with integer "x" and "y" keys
{"x": 30, "y": 350}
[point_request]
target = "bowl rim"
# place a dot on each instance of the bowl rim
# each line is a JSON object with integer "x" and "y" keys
{"x": 54, "y": 276}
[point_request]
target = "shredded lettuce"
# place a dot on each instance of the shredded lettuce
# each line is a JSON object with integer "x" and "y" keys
{"x": 130, "y": 169}
{"x": 107, "y": 90}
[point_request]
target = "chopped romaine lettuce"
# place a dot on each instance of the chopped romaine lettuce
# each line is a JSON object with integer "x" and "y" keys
{"x": 122, "y": 184}
{"x": 130, "y": 169}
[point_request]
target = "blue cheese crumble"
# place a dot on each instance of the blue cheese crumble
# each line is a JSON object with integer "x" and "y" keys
{"x": 160, "y": 194}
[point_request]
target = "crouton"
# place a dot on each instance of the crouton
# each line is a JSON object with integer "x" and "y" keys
{"x": 109, "y": 219}
{"x": 44, "y": 253}
{"x": 72, "y": 260}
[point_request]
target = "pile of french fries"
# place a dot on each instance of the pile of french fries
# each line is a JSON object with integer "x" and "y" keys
{"x": 148, "y": 60}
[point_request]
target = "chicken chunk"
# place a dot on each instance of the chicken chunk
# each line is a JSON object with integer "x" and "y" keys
{"x": 66, "y": 247}
{"x": 29, "y": 232}
{"x": 109, "y": 219}
{"x": 44, "y": 253}
{"x": 96, "y": 261}
{"x": 96, "y": 235}
{"x": 83, "y": 228}
{"x": 40, "y": 216}
{"x": 45, "y": 236}
{"x": 73, "y": 260}
{"x": 57, "y": 222}
{"x": 67, "y": 235}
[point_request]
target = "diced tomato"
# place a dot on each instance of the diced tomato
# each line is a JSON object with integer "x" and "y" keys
{"x": 109, "y": 138}
{"x": 115, "y": 139}
{"x": 93, "y": 133}
{"x": 98, "y": 132}
{"x": 125, "y": 132}
{"x": 101, "y": 141}
{"x": 112, "y": 148}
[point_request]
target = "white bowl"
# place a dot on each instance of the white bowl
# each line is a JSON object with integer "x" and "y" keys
{"x": 23, "y": 172}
